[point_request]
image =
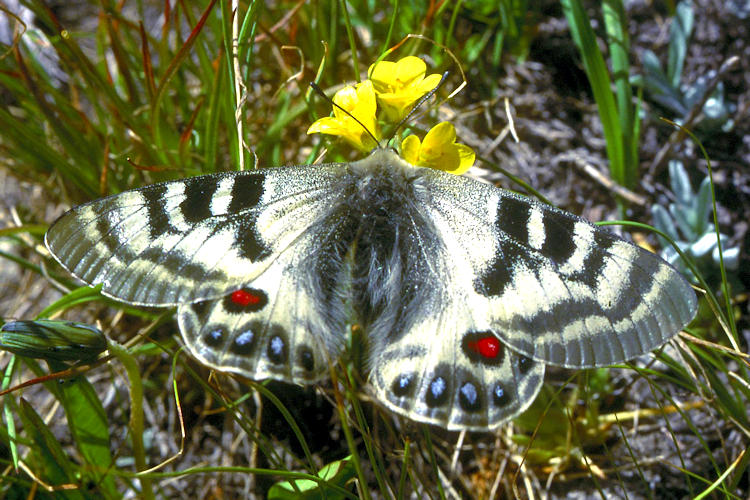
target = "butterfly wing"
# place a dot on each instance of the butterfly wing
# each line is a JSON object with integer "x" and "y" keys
{"x": 464, "y": 290}
{"x": 431, "y": 354}
{"x": 494, "y": 285}
{"x": 449, "y": 371}
{"x": 273, "y": 327}
{"x": 181, "y": 241}
{"x": 555, "y": 287}
{"x": 251, "y": 259}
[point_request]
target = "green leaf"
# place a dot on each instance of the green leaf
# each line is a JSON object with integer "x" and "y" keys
{"x": 598, "y": 75}
{"x": 90, "y": 429}
{"x": 80, "y": 295}
{"x": 475, "y": 45}
{"x": 50, "y": 461}
{"x": 657, "y": 84}
{"x": 336, "y": 473}
{"x": 9, "y": 405}
{"x": 615, "y": 22}
{"x": 681, "y": 217}
{"x": 702, "y": 205}
{"x": 663, "y": 222}
{"x": 680, "y": 183}
{"x": 729, "y": 403}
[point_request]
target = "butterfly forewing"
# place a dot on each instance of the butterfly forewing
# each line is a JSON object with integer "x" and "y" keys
{"x": 180, "y": 241}
{"x": 554, "y": 286}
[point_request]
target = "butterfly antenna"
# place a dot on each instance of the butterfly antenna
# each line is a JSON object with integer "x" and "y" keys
{"x": 419, "y": 103}
{"x": 322, "y": 94}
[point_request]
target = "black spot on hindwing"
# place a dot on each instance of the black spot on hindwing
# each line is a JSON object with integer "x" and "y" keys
{"x": 470, "y": 396}
{"x": 214, "y": 336}
{"x": 305, "y": 358}
{"x": 437, "y": 391}
{"x": 404, "y": 384}
{"x": 439, "y": 388}
{"x": 244, "y": 342}
{"x": 278, "y": 346}
{"x": 200, "y": 309}
{"x": 524, "y": 364}
{"x": 500, "y": 395}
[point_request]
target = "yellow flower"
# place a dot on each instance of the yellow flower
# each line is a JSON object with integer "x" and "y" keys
{"x": 400, "y": 84}
{"x": 360, "y": 102}
{"x": 438, "y": 150}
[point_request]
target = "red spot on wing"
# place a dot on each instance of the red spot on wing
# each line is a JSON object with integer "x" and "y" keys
{"x": 244, "y": 298}
{"x": 488, "y": 347}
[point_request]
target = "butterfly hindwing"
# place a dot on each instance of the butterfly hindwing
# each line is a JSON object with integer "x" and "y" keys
{"x": 446, "y": 371}
{"x": 270, "y": 328}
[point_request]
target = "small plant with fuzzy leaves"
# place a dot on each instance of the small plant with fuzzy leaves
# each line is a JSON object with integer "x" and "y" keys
{"x": 687, "y": 223}
{"x": 664, "y": 87}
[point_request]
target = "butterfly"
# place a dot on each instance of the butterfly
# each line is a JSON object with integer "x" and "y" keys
{"x": 463, "y": 291}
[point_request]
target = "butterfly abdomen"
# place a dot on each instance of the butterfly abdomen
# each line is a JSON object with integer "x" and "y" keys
{"x": 390, "y": 248}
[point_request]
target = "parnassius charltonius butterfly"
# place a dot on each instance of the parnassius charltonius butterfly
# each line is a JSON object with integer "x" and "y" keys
{"x": 463, "y": 291}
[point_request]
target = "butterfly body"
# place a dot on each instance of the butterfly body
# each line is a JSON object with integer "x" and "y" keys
{"x": 463, "y": 291}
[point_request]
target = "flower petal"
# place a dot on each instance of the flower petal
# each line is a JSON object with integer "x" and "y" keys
{"x": 346, "y": 98}
{"x": 429, "y": 83}
{"x": 381, "y": 73}
{"x": 366, "y": 105}
{"x": 360, "y": 102}
{"x": 467, "y": 157}
{"x": 442, "y": 133}
{"x": 399, "y": 85}
{"x": 410, "y": 149}
{"x": 408, "y": 69}
{"x": 326, "y": 125}
{"x": 445, "y": 158}
{"x": 438, "y": 150}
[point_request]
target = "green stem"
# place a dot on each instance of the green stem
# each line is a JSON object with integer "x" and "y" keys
{"x": 136, "y": 413}
{"x": 352, "y": 42}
